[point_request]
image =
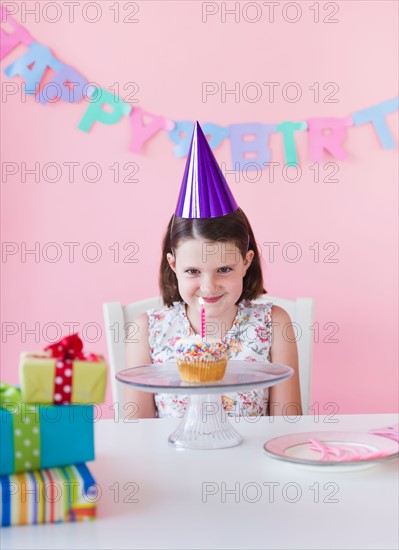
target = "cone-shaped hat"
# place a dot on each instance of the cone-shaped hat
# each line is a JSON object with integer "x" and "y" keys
{"x": 204, "y": 191}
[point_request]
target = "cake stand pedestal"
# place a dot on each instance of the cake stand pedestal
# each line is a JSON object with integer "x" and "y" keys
{"x": 205, "y": 424}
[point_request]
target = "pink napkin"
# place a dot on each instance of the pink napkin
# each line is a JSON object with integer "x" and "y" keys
{"x": 344, "y": 453}
{"x": 389, "y": 431}
{"x": 348, "y": 453}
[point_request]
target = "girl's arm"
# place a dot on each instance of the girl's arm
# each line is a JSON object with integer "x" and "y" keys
{"x": 285, "y": 398}
{"x": 139, "y": 354}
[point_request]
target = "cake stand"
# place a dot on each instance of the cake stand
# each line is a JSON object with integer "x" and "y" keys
{"x": 205, "y": 424}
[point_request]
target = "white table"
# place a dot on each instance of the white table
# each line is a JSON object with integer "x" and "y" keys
{"x": 223, "y": 498}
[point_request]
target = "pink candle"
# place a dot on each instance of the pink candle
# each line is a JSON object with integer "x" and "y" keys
{"x": 201, "y": 301}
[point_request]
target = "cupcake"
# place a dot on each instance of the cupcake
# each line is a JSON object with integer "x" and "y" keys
{"x": 201, "y": 361}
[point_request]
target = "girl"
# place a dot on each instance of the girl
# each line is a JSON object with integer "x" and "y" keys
{"x": 216, "y": 258}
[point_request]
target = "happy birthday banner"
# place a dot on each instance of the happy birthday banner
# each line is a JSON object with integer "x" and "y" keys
{"x": 70, "y": 86}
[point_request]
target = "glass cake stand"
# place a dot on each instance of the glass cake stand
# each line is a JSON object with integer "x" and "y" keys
{"x": 205, "y": 424}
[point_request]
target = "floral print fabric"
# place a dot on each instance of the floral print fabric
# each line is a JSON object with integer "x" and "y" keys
{"x": 249, "y": 339}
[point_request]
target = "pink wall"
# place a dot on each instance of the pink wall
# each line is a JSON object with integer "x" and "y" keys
{"x": 169, "y": 53}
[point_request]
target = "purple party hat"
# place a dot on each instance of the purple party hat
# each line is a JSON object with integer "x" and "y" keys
{"x": 204, "y": 191}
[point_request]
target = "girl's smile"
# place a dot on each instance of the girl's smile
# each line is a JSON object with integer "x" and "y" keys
{"x": 211, "y": 300}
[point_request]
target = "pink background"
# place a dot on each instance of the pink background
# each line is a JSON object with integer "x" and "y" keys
{"x": 169, "y": 54}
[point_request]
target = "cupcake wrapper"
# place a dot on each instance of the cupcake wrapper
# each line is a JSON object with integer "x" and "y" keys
{"x": 202, "y": 371}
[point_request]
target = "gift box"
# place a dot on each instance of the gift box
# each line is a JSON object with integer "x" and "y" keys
{"x": 63, "y": 374}
{"x": 53, "y": 495}
{"x": 42, "y": 436}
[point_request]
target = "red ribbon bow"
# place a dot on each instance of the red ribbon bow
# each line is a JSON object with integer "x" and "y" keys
{"x": 69, "y": 347}
{"x": 66, "y": 351}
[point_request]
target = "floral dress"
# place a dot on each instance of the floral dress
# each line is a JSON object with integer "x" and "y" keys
{"x": 249, "y": 339}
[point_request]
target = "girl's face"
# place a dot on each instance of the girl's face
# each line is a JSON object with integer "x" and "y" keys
{"x": 213, "y": 271}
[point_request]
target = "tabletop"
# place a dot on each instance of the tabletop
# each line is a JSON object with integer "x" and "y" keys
{"x": 152, "y": 495}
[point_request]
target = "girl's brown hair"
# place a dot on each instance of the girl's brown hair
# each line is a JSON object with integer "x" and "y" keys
{"x": 233, "y": 227}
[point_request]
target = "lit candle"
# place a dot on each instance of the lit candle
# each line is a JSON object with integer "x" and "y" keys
{"x": 202, "y": 303}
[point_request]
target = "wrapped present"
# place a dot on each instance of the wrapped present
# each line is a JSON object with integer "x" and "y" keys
{"x": 42, "y": 436}
{"x": 53, "y": 495}
{"x": 63, "y": 374}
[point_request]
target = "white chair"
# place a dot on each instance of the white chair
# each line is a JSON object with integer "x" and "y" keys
{"x": 118, "y": 324}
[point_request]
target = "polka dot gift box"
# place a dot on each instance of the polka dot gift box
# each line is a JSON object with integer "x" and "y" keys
{"x": 63, "y": 374}
{"x": 42, "y": 436}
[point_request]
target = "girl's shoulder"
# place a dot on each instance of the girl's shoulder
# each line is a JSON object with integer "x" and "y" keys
{"x": 164, "y": 313}
{"x": 257, "y": 310}
{"x": 264, "y": 305}
{"x": 266, "y": 312}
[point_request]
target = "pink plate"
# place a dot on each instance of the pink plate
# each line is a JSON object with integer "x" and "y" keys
{"x": 336, "y": 450}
